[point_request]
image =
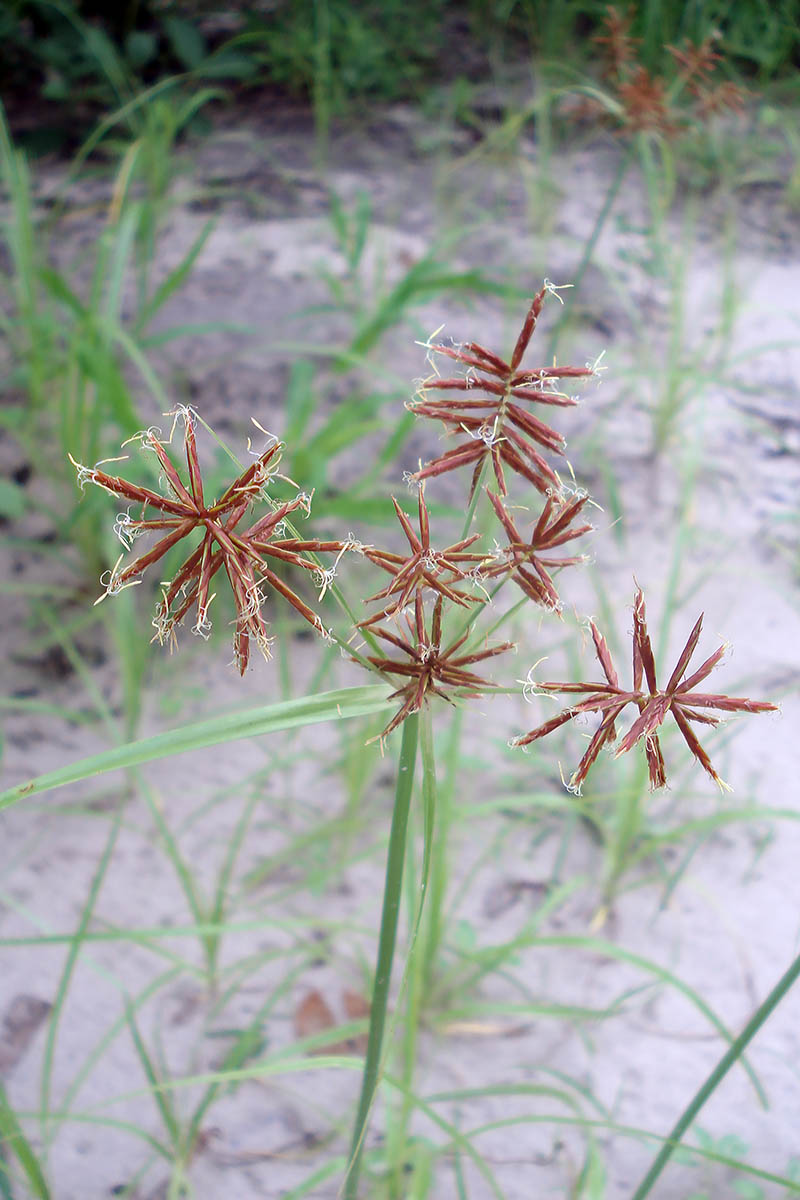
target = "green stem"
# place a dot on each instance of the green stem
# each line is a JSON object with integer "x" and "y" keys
{"x": 629, "y": 814}
{"x": 588, "y": 250}
{"x": 388, "y": 935}
{"x": 731, "y": 1056}
{"x": 473, "y": 503}
{"x": 438, "y": 886}
{"x": 416, "y": 966}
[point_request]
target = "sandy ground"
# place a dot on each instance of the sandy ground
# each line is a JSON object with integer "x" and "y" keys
{"x": 730, "y": 927}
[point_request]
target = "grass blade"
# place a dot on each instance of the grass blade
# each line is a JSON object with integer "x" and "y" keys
{"x": 392, "y": 893}
{"x": 709, "y": 1086}
{"x": 274, "y": 718}
{"x": 12, "y": 1139}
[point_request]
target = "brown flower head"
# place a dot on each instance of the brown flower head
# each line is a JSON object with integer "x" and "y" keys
{"x": 696, "y": 66}
{"x": 616, "y": 39}
{"x": 722, "y": 97}
{"x": 696, "y": 63}
{"x": 497, "y": 427}
{"x": 243, "y": 555}
{"x": 523, "y": 559}
{"x": 641, "y": 97}
{"x": 644, "y": 103}
{"x": 430, "y": 670}
{"x": 640, "y": 101}
{"x": 423, "y": 568}
{"x": 679, "y": 698}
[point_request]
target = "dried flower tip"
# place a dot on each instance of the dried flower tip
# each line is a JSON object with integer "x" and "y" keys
{"x": 126, "y": 529}
{"x": 85, "y": 474}
{"x": 183, "y": 412}
{"x": 146, "y": 438}
{"x": 353, "y": 543}
{"x": 597, "y": 367}
{"x": 554, "y": 288}
{"x": 324, "y": 579}
{"x": 429, "y": 348}
{"x": 112, "y": 583}
{"x": 530, "y": 687}
{"x": 202, "y": 626}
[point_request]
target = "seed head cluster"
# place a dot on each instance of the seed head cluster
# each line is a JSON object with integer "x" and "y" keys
{"x": 492, "y": 419}
{"x": 639, "y": 101}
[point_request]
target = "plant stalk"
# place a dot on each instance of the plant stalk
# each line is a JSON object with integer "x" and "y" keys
{"x": 388, "y": 935}
{"x": 434, "y": 929}
{"x": 415, "y": 976}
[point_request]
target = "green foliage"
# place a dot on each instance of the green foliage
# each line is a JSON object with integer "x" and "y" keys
{"x": 83, "y": 57}
{"x": 83, "y": 62}
{"x": 762, "y": 38}
{"x": 14, "y": 1146}
{"x": 377, "y": 50}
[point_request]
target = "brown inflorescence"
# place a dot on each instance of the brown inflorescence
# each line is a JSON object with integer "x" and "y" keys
{"x": 523, "y": 560}
{"x": 429, "y": 669}
{"x": 616, "y": 39}
{"x": 645, "y": 101}
{"x": 244, "y": 555}
{"x": 497, "y": 428}
{"x": 679, "y": 698}
{"x": 424, "y": 567}
{"x": 499, "y": 431}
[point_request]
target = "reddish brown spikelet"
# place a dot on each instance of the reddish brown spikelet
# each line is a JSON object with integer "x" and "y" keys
{"x": 643, "y": 98}
{"x": 523, "y": 560}
{"x": 645, "y": 103}
{"x": 723, "y": 97}
{"x": 696, "y": 63}
{"x": 678, "y": 698}
{"x": 244, "y": 556}
{"x": 499, "y": 430}
{"x": 620, "y": 47}
{"x": 424, "y": 567}
{"x": 428, "y": 668}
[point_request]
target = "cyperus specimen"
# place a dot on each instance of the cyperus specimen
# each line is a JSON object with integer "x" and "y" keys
{"x": 678, "y": 698}
{"x": 247, "y": 556}
{"x": 499, "y": 428}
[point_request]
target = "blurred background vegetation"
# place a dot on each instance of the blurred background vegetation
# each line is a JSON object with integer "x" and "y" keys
{"x": 64, "y": 63}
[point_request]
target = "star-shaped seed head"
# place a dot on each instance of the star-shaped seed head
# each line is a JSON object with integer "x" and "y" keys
{"x": 243, "y": 555}
{"x": 423, "y": 568}
{"x": 428, "y": 668}
{"x": 678, "y": 698}
{"x": 522, "y": 559}
{"x": 498, "y": 427}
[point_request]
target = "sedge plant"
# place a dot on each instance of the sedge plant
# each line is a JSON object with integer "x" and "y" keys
{"x": 426, "y": 636}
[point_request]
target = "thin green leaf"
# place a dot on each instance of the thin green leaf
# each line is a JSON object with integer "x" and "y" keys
{"x": 13, "y": 1139}
{"x": 253, "y": 722}
{"x": 175, "y": 279}
{"x": 160, "y": 1094}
